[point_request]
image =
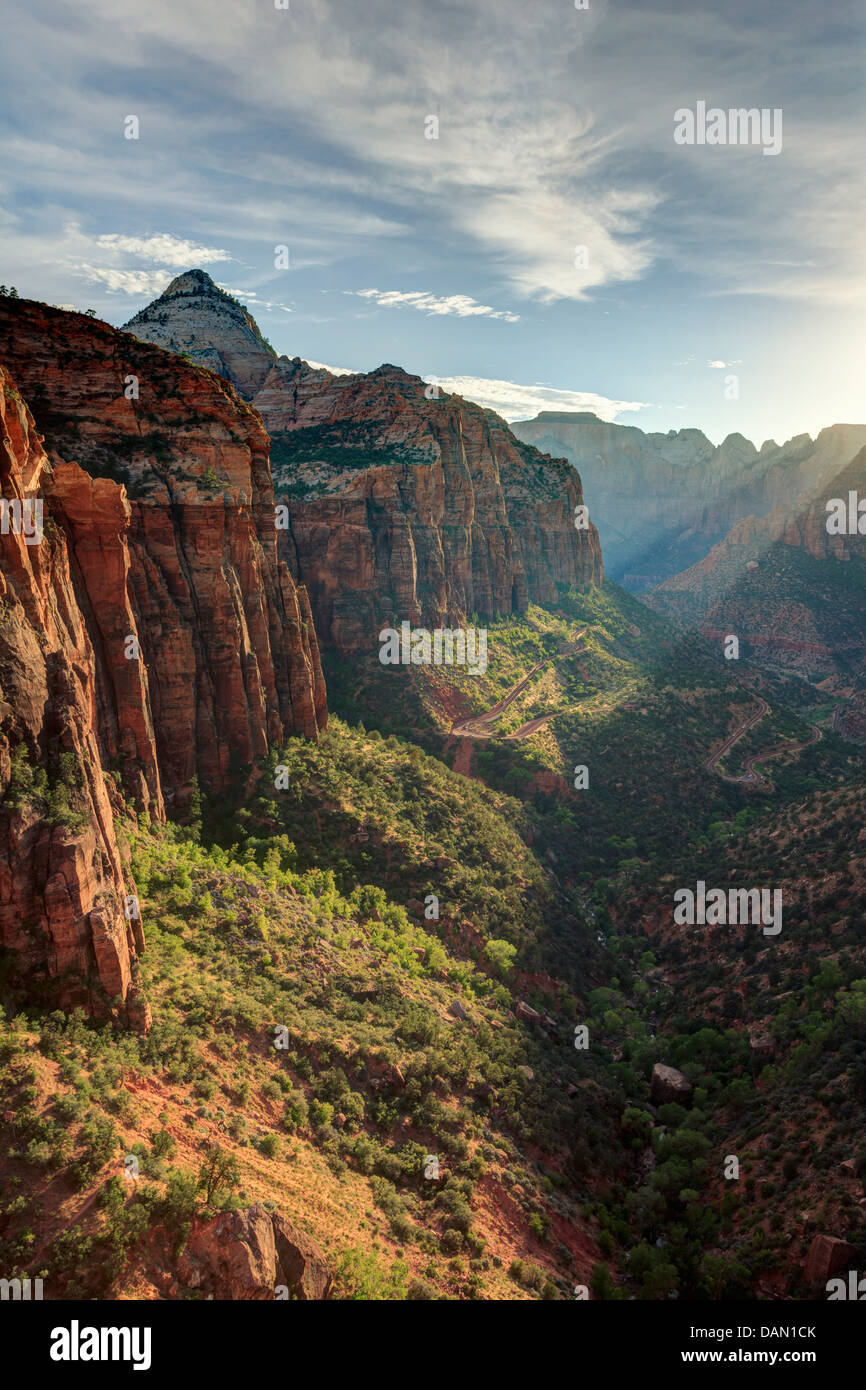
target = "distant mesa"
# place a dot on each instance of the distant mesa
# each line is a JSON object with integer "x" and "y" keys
{"x": 566, "y": 417}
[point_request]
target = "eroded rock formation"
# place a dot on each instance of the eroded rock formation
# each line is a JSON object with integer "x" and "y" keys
{"x": 399, "y": 506}
{"x": 788, "y": 587}
{"x": 196, "y": 317}
{"x": 661, "y": 501}
{"x": 404, "y": 507}
{"x": 63, "y": 884}
{"x": 225, "y": 635}
{"x": 152, "y": 635}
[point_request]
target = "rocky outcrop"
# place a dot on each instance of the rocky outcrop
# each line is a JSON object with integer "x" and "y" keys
{"x": 661, "y": 501}
{"x": 401, "y": 507}
{"x": 253, "y": 1255}
{"x": 63, "y": 884}
{"x": 161, "y": 481}
{"x": 401, "y": 504}
{"x": 669, "y": 1086}
{"x": 826, "y": 1255}
{"x": 195, "y": 317}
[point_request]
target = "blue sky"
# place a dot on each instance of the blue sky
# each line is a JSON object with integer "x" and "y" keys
{"x": 455, "y": 257}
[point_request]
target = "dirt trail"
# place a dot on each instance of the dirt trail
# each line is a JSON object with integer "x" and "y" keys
{"x": 481, "y": 725}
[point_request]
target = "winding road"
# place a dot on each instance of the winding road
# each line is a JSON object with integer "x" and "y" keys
{"x": 481, "y": 725}
{"x": 750, "y": 775}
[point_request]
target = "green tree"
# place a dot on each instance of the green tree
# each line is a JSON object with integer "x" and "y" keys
{"x": 219, "y": 1172}
{"x": 501, "y": 954}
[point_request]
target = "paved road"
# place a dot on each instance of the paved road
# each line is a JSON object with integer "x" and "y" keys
{"x": 750, "y": 775}
{"x": 715, "y": 758}
{"x": 481, "y": 725}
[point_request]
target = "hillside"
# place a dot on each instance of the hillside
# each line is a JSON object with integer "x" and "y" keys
{"x": 794, "y": 592}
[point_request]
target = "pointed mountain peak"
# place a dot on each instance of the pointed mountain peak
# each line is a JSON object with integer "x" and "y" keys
{"x": 191, "y": 282}
{"x": 194, "y": 316}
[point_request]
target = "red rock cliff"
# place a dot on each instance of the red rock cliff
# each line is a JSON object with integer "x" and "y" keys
{"x": 404, "y": 507}
{"x": 400, "y": 506}
{"x": 225, "y": 635}
{"x": 62, "y": 880}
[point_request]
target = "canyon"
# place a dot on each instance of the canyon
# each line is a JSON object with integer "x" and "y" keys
{"x": 661, "y": 501}
{"x": 791, "y": 586}
{"x": 181, "y": 628}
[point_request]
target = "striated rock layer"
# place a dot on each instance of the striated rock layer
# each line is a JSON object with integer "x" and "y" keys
{"x": 401, "y": 507}
{"x": 662, "y": 500}
{"x": 62, "y": 881}
{"x": 152, "y": 635}
{"x": 224, "y": 632}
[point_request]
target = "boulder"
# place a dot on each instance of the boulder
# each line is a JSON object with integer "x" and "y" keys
{"x": 526, "y": 1013}
{"x": 245, "y": 1255}
{"x": 669, "y": 1085}
{"x": 826, "y": 1255}
{"x": 300, "y": 1263}
{"x": 762, "y": 1046}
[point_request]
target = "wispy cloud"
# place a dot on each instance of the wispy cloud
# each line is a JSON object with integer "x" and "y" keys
{"x": 461, "y": 306}
{"x": 512, "y": 400}
{"x": 252, "y": 299}
{"x": 516, "y": 402}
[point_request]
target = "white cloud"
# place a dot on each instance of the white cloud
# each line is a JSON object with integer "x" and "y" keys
{"x": 133, "y": 282}
{"x": 164, "y": 247}
{"x": 735, "y": 362}
{"x": 251, "y": 297}
{"x": 516, "y": 402}
{"x": 460, "y": 305}
{"x": 335, "y": 371}
{"x": 511, "y": 400}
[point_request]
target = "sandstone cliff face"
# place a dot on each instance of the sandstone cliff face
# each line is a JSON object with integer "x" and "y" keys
{"x": 196, "y": 317}
{"x": 401, "y": 507}
{"x": 661, "y": 501}
{"x": 153, "y": 631}
{"x": 168, "y": 504}
{"x": 62, "y": 880}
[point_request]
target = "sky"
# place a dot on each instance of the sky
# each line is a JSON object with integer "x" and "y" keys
{"x": 553, "y": 247}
